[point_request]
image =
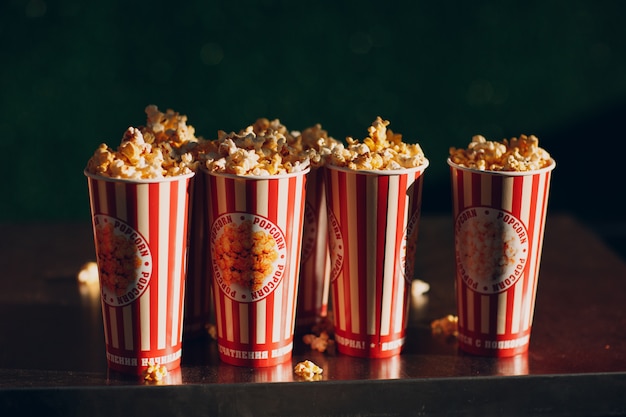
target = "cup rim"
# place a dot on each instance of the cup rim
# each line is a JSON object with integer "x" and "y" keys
{"x": 138, "y": 180}
{"x": 256, "y": 177}
{"x": 505, "y": 173}
{"x": 387, "y": 172}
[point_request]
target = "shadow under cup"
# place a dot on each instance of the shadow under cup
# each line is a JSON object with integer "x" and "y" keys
{"x": 140, "y": 234}
{"x": 499, "y": 224}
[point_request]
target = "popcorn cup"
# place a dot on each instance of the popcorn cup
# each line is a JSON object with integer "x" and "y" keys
{"x": 198, "y": 305}
{"x": 315, "y": 258}
{"x": 373, "y": 221}
{"x": 499, "y": 223}
{"x": 255, "y": 230}
{"x": 140, "y": 235}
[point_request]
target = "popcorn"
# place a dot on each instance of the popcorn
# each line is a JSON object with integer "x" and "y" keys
{"x": 117, "y": 259}
{"x": 245, "y": 257}
{"x": 381, "y": 150}
{"x": 160, "y": 149}
{"x": 515, "y": 154}
{"x": 88, "y": 273}
{"x": 155, "y": 373}
{"x": 308, "y": 371}
{"x": 322, "y": 335}
{"x": 446, "y": 326}
{"x": 315, "y": 142}
{"x": 487, "y": 251}
{"x": 262, "y": 149}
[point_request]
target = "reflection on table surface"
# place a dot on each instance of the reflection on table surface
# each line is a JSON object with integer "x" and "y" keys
{"x": 55, "y": 324}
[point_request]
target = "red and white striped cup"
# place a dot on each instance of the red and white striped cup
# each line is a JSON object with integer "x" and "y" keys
{"x": 140, "y": 234}
{"x": 198, "y": 304}
{"x": 499, "y": 222}
{"x": 255, "y": 232}
{"x": 373, "y": 221}
{"x": 315, "y": 257}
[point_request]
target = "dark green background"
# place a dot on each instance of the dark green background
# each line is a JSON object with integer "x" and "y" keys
{"x": 75, "y": 73}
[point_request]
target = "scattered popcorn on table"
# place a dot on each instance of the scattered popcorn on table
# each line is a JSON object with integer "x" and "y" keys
{"x": 419, "y": 287}
{"x": 446, "y": 326}
{"x": 381, "y": 150}
{"x": 157, "y": 150}
{"x": 515, "y": 154}
{"x": 308, "y": 370}
{"x": 211, "y": 329}
{"x": 88, "y": 273}
{"x": 262, "y": 149}
{"x": 321, "y": 338}
{"x": 155, "y": 373}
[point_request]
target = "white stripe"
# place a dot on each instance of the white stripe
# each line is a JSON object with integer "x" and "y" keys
{"x": 113, "y": 322}
{"x": 121, "y": 203}
{"x": 527, "y": 190}
{"x": 507, "y": 193}
{"x": 467, "y": 187}
{"x": 127, "y": 316}
{"x": 220, "y": 185}
{"x": 278, "y": 313}
{"x": 144, "y": 318}
{"x": 261, "y": 322}
{"x": 178, "y": 262}
{"x": 143, "y": 221}
{"x": 390, "y": 259}
{"x": 103, "y": 308}
{"x": 371, "y": 238}
{"x": 485, "y": 189}
{"x": 518, "y": 298}
{"x": 262, "y": 195}
{"x": 228, "y": 313}
{"x": 164, "y": 219}
{"x": 102, "y": 196}
{"x": 400, "y": 305}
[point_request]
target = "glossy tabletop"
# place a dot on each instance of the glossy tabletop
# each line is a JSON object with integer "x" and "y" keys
{"x": 52, "y": 357}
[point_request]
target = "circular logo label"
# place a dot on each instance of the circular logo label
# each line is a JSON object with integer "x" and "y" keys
{"x": 491, "y": 249}
{"x": 249, "y": 256}
{"x": 335, "y": 245}
{"x": 124, "y": 260}
{"x": 309, "y": 232}
{"x": 408, "y": 249}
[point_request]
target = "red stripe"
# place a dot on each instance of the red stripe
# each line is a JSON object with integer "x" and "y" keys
{"x": 343, "y": 214}
{"x": 496, "y": 190}
{"x": 153, "y": 198}
{"x": 476, "y": 189}
{"x": 381, "y": 231}
{"x": 518, "y": 196}
{"x": 362, "y": 224}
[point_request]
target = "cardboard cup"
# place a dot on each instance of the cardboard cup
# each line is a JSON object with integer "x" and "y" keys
{"x": 198, "y": 304}
{"x": 255, "y": 231}
{"x": 140, "y": 234}
{"x": 373, "y": 221}
{"x": 499, "y": 223}
{"x": 315, "y": 258}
